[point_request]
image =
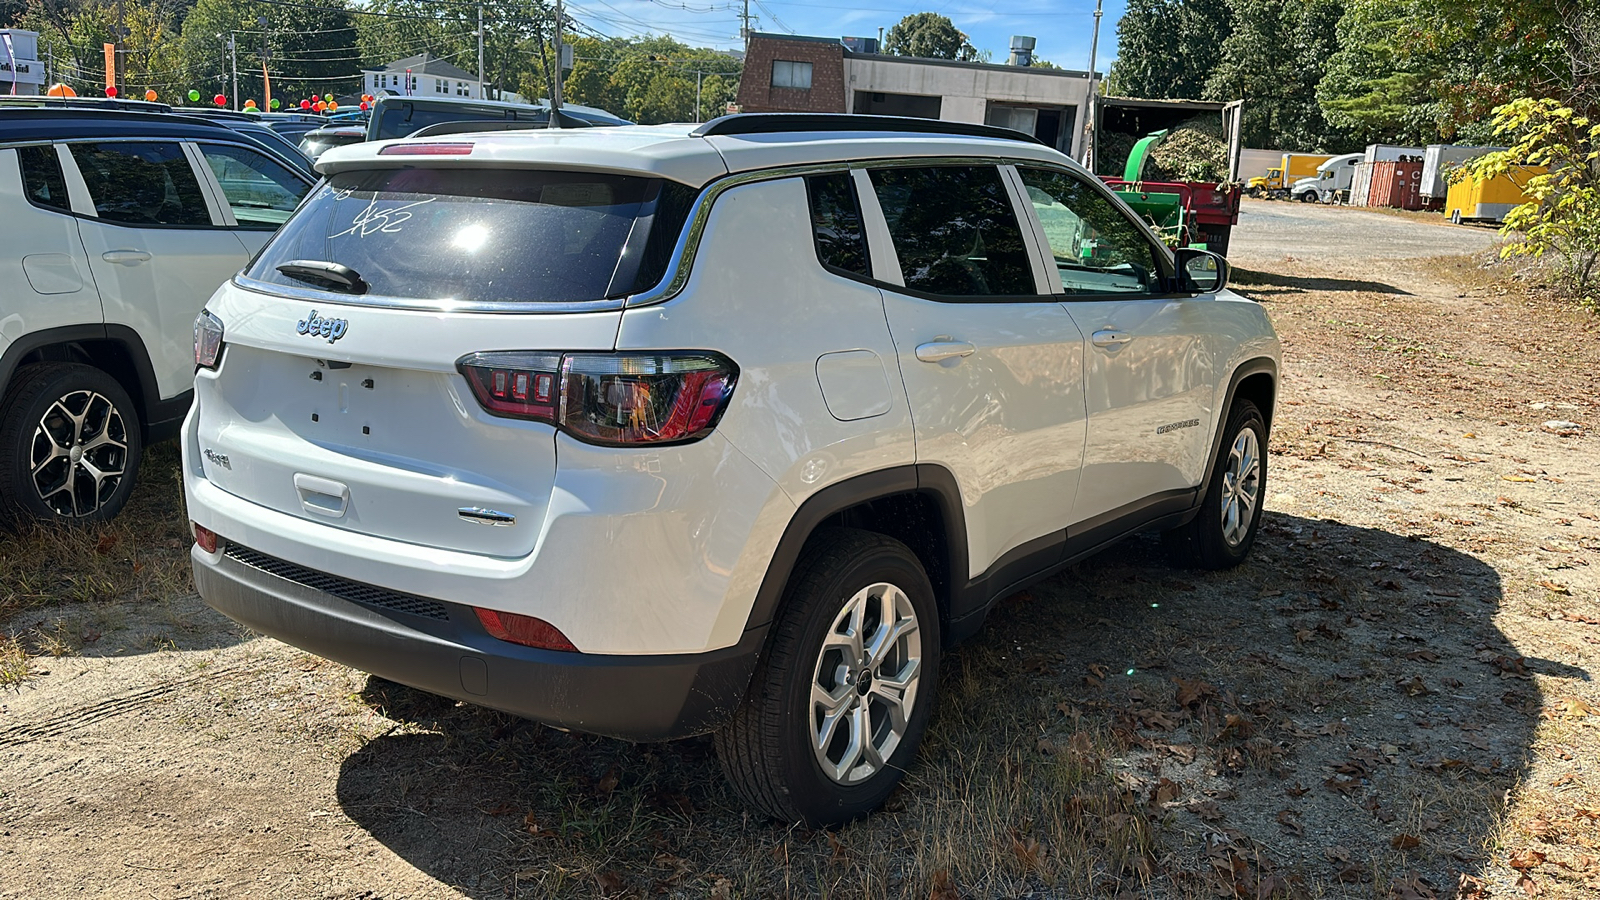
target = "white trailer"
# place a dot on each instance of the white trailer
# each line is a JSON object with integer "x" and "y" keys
{"x": 1438, "y": 160}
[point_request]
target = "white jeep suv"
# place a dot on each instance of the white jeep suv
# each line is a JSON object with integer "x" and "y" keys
{"x": 658, "y": 431}
{"x": 114, "y": 229}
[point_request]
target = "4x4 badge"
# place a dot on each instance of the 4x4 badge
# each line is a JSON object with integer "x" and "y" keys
{"x": 317, "y": 326}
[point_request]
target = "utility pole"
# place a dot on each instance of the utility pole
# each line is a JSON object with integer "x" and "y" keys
{"x": 698, "y": 76}
{"x": 1091, "y": 133}
{"x": 233, "y": 54}
{"x": 480, "y": 53}
{"x": 266, "y": 80}
{"x": 555, "y": 85}
{"x": 744, "y": 30}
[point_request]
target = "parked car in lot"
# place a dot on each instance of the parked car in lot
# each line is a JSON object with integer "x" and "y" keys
{"x": 319, "y": 141}
{"x": 396, "y": 116}
{"x": 736, "y": 428}
{"x": 115, "y": 227}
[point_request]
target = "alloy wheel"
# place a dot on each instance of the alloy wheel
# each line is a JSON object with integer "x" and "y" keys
{"x": 78, "y": 454}
{"x": 1241, "y": 487}
{"x": 864, "y": 685}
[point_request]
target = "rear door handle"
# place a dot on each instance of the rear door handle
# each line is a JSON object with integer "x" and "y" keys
{"x": 943, "y": 348}
{"x": 126, "y": 257}
{"x": 1110, "y": 338}
{"x": 322, "y": 496}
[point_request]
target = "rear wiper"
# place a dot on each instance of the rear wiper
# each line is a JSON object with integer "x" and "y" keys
{"x": 324, "y": 274}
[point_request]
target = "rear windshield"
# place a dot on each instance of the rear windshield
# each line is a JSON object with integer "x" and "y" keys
{"x": 402, "y": 119}
{"x": 479, "y": 235}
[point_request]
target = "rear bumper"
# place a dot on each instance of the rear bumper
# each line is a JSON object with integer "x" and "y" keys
{"x": 637, "y": 698}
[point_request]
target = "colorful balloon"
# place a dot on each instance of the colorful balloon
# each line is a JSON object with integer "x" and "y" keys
{"x": 274, "y": 104}
{"x": 305, "y": 104}
{"x": 61, "y": 90}
{"x": 150, "y": 95}
{"x": 194, "y": 96}
{"x": 333, "y": 106}
{"x": 111, "y": 90}
{"x": 249, "y": 104}
{"x": 220, "y": 100}
{"x": 363, "y": 106}
{"x": 327, "y": 98}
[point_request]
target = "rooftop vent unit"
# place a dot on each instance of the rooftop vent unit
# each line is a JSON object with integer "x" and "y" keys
{"x": 860, "y": 44}
{"x": 1021, "y": 50}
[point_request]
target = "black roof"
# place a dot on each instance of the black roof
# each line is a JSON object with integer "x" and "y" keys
{"x": 55, "y": 123}
{"x": 789, "y": 123}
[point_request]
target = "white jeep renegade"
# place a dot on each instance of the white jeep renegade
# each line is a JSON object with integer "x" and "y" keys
{"x": 659, "y": 431}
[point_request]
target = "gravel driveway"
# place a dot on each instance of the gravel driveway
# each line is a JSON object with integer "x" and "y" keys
{"x": 1277, "y": 229}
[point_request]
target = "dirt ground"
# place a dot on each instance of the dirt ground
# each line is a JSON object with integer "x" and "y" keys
{"x": 1391, "y": 698}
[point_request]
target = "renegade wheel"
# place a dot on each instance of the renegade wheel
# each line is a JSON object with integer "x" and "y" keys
{"x": 1230, "y": 515}
{"x": 69, "y": 444}
{"x": 839, "y": 703}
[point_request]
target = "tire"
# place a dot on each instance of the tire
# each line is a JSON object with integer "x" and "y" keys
{"x": 69, "y": 445}
{"x": 1221, "y": 534}
{"x": 767, "y": 749}
{"x": 1308, "y": 197}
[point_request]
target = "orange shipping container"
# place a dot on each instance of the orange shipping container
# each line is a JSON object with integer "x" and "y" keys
{"x": 1396, "y": 183}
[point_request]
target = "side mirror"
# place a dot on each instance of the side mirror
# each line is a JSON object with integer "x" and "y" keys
{"x": 1201, "y": 271}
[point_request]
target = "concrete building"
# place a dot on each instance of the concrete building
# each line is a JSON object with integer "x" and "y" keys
{"x": 21, "y": 72}
{"x": 422, "y": 76}
{"x": 791, "y": 73}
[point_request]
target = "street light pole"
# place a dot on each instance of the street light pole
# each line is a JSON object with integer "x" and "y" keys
{"x": 480, "y": 53}
{"x": 233, "y": 53}
{"x": 555, "y": 87}
{"x": 1090, "y": 131}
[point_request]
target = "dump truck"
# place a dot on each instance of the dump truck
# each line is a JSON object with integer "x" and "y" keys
{"x": 1290, "y": 168}
{"x": 1210, "y": 208}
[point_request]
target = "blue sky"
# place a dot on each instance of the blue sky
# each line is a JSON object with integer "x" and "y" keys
{"x": 1063, "y": 27}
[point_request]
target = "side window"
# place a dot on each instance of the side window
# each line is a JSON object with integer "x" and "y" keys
{"x": 142, "y": 183}
{"x": 41, "y": 178}
{"x": 955, "y": 231}
{"x": 260, "y": 192}
{"x": 836, "y": 223}
{"x": 1097, "y": 249}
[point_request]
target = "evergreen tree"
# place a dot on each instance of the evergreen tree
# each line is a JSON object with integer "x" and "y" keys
{"x": 930, "y": 36}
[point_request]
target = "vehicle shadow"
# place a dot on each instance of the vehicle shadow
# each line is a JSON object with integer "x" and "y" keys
{"x": 1265, "y": 285}
{"x": 1336, "y": 715}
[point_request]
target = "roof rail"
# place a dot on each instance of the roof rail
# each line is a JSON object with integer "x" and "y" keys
{"x": 785, "y": 123}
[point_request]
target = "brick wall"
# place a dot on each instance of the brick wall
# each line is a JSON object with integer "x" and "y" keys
{"x": 756, "y": 93}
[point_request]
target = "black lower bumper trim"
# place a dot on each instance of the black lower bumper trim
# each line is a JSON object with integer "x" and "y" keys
{"x": 637, "y": 698}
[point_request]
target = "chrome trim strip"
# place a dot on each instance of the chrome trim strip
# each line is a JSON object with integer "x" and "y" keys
{"x": 483, "y": 516}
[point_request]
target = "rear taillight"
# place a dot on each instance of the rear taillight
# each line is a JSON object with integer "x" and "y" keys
{"x": 206, "y": 538}
{"x": 207, "y": 340}
{"x": 442, "y": 149}
{"x": 525, "y": 630}
{"x": 613, "y": 399}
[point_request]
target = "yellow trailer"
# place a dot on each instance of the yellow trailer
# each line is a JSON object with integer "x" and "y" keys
{"x": 1291, "y": 168}
{"x": 1489, "y": 199}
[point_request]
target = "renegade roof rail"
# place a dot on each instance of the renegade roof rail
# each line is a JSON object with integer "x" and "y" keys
{"x": 783, "y": 123}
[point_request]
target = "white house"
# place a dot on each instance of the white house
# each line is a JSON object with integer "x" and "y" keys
{"x": 20, "y": 70}
{"x": 422, "y": 76}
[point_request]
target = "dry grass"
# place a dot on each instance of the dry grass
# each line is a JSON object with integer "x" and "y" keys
{"x": 143, "y": 554}
{"x": 16, "y": 666}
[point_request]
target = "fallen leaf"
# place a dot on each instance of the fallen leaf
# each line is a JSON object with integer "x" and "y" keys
{"x": 1027, "y": 850}
{"x": 1336, "y": 854}
{"x": 1405, "y": 842}
{"x": 1297, "y": 791}
{"x": 1411, "y": 886}
{"x": 1290, "y": 824}
{"x": 1517, "y": 478}
{"x": 1165, "y": 791}
{"x": 1414, "y": 687}
{"x": 1528, "y": 885}
{"x": 1555, "y": 587}
{"x": 1205, "y": 809}
{"x": 610, "y": 882}
{"x": 722, "y": 889}
{"x": 1577, "y": 708}
{"x": 105, "y": 544}
{"x": 943, "y": 887}
{"x": 1192, "y": 693}
{"x": 836, "y": 844}
{"x": 608, "y": 782}
{"x": 1526, "y": 859}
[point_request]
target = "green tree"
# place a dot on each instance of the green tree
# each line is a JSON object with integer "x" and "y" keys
{"x": 516, "y": 44}
{"x": 651, "y": 80}
{"x": 1274, "y": 60}
{"x": 73, "y": 37}
{"x": 310, "y": 51}
{"x": 1166, "y": 48}
{"x": 1371, "y": 88}
{"x": 930, "y": 36}
{"x": 1556, "y": 149}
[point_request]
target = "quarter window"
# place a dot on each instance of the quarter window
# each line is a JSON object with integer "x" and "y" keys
{"x": 143, "y": 183}
{"x": 260, "y": 192}
{"x": 1097, "y": 248}
{"x": 41, "y": 178}
{"x": 836, "y": 223}
{"x": 787, "y": 74}
{"x": 954, "y": 230}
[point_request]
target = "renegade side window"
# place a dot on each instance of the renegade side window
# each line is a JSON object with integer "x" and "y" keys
{"x": 483, "y": 235}
{"x": 261, "y": 192}
{"x": 954, "y": 230}
{"x": 42, "y": 179}
{"x": 1098, "y": 250}
{"x": 836, "y": 223}
{"x": 142, "y": 183}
